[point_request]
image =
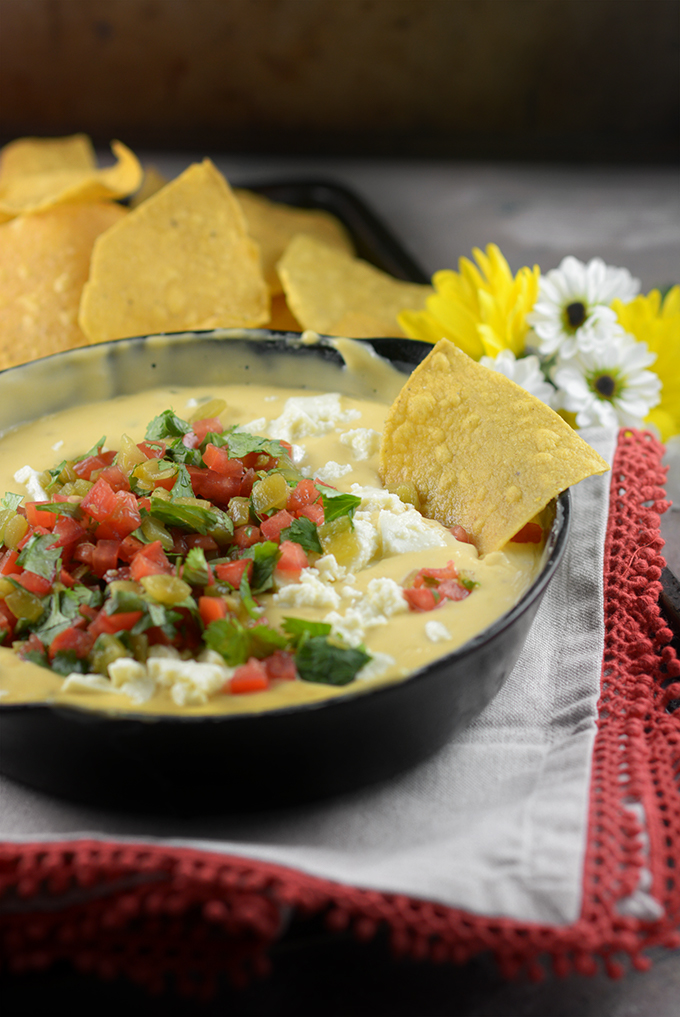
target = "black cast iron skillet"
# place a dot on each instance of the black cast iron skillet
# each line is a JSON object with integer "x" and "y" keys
{"x": 186, "y": 763}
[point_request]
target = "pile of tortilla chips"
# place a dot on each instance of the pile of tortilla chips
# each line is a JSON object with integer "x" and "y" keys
{"x": 77, "y": 266}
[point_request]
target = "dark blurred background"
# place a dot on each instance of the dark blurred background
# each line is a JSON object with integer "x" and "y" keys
{"x": 567, "y": 80}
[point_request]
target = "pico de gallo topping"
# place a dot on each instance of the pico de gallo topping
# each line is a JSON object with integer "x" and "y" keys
{"x": 170, "y": 542}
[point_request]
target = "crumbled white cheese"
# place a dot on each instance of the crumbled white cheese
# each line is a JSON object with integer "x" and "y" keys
{"x": 383, "y": 599}
{"x": 158, "y": 650}
{"x": 311, "y": 591}
{"x": 191, "y": 683}
{"x": 363, "y": 442}
{"x": 436, "y": 632}
{"x": 367, "y": 541}
{"x": 30, "y": 478}
{"x": 332, "y": 471}
{"x": 408, "y": 531}
{"x": 85, "y": 683}
{"x": 253, "y": 426}
{"x": 310, "y": 416}
{"x": 271, "y": 399}
{"x": 299, "y": 453}
{"x": 329, "y": 569}
{"x": 125, "y": 669}
{"x": 57, "y": 445}
{"x": 373, "y": 499}
{"x": 377, "y": 665}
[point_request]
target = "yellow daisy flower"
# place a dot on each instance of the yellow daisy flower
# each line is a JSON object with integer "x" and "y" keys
{"x": 482, "y": 310}
{"x": 657, "y": 323}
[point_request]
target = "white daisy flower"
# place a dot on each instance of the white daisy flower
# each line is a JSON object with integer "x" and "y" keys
{"x": 609, "y": 386}
{"x": 572, "y": 311}
{"x": 525, "y": 372}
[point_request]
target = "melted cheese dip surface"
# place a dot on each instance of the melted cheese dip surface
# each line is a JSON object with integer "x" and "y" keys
{"x": 407, "y": 639}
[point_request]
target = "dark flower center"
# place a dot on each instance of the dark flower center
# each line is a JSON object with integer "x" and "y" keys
{"x": 605, "y": 385}
{"x": 576, "y": 314}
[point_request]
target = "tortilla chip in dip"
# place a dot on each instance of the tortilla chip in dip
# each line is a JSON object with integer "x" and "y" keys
{"x": 322, "y": 285}
{"x": 38, "y": 174}
{"x": 44, "y": 263}
{"x": 481, "y": 452}
{"x": 182, "y": 259}
{"x": 273, "y": 225}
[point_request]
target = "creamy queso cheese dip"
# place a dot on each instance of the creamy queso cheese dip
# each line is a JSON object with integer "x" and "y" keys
{"x": 336, "y": 439}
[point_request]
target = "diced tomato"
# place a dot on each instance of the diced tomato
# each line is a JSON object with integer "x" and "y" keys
{"x": 91, "y": 464}
{"x": 152, "y": 449}
{"x": 150, "y": 561}
{"x": 304, "y": 493}
{"x": 280, "y": 665}
{"x": 7, "y": 622}
{"x": 232, "y": 571}
{"x": 271, "y": 528}
{"x": 73, "y": 639}
{"x": 36, "y": 517}
{"x": 129, "y": 547}
{"x": 203, "y": 540}
{"x": 212, "y": 486}
{"x": 293, "y": 559}
{"x": 217, "y": 459}
{"x": 247, "y": 481}
{"x": 124, "y": 518}
{"x": 100, "y": 501}
{"x": 206, "y": 426}
{"x": 34, "y": 583}
{"x": 8, "y": 565}
{"x": 190, "y": 440}
{"x": 461, "y": 535}
{"x": 115, "y": 478}
{"x": 109, "y": 624}
{"x": 32, "y": 645}
{"x": 211, "y": 609}
{"x": 66, "y": 579}
{"x": 420, "y": 598}
{"x": 249, "y": 677}
{"x": 313, "y": 512}
{"x": 84, "y": 552}
{"x": 531, "y": 533}
{"x": 67, "y": 531}
{"x": 451, "y": 589}
{"x": 246, "y": 536}
{"x": 435, "y": 575}
{"x": 105, "y": 556}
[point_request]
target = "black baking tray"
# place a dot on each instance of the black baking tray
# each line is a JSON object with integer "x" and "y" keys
{"x": 375, "y": 243}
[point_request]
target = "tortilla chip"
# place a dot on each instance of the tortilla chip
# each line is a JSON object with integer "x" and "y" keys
{"x": 44, "y": 263}
{"x": 273, "y": 225}
{"x": 152, "y": 182}
{"x": 281, "y": 317}
{"x": 181, "y": 260}
{"x": 322, "y": 285}
{"x": 30, "y": 156}
{"x": 360, "y": 325}
{"x": 481, "y": 452}
{"x": 37, "y": 191}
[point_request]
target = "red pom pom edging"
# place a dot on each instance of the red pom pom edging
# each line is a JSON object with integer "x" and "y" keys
{"x": 146, "y": 912}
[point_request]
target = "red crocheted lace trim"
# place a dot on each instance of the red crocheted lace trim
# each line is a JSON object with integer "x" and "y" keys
{"x": 144, "y": 911}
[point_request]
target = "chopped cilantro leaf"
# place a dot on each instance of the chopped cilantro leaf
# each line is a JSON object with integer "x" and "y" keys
{"x": 190, "y": 516}
{"x": 241, "y": 444}
{"x": 65, "y": 662}
{"x": 265, "y": 556}
{"x": 300, "y": 629}
{"x": 166, "y": 425}
{"x": 61, "y": 508}
{"x": 337, "y": 503}
{"x": 37, "y": 556}
{"x": 62, "y": 608}
{"x": 319, "y": 660}
{"x": 236, "y": 643}
{"x": 182, "y": 487}
{"x": 195, "y": 569}
{"x": 178, "y": 452}
{"x": 11, "y": 501}
{"x": 303, "y": 532}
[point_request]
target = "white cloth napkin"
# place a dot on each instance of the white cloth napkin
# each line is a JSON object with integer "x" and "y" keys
{"x": 495, "y": 823}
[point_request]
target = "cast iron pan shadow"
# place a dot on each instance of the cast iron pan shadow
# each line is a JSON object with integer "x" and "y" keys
{"x": 284, "y": 757}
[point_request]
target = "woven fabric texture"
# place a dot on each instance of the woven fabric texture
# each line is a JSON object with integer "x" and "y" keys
{"x": 146, "y": 911}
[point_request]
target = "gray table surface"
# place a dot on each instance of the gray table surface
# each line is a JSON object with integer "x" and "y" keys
{"x": 439, "y": 211}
